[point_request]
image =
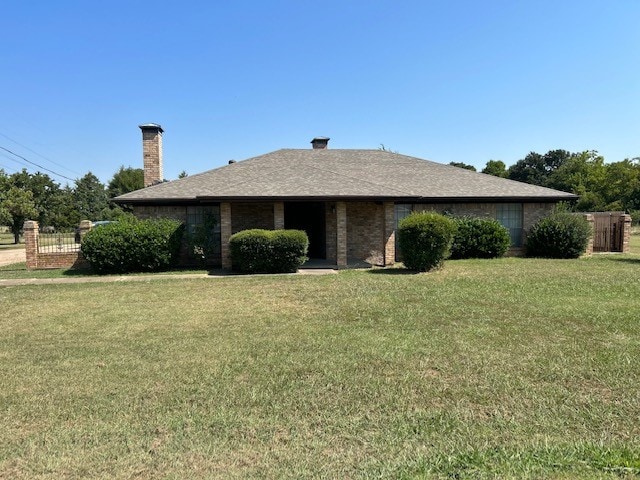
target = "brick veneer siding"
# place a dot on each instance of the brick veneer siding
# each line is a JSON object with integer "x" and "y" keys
{"x": 331, "y": 229}
{"x": 365, "y": 232}
{"x": 389, "y": 238}
{"x": 175, "y": 212}
{"x": 341, "y": 234}
{"x": 252, "y": 215}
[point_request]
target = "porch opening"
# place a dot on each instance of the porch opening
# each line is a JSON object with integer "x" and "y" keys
{"x": 310, "y": 217}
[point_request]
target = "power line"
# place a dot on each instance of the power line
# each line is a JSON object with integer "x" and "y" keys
{"x": 19, "y": 162}
{"x": 38, "y": 154}
{"x": 37, "y": 165}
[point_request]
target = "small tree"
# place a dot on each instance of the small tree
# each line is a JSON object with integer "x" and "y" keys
{"x": 17, "y": 205}
{"x": 425, "y": 240}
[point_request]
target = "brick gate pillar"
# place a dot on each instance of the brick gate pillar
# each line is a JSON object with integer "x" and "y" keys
{"x": 341, "y": 234}
{"x": 31, "y": 233}
{"x": 225, "y": 234}
{"x": 590, "y": 219}
{"x": 389, "y": 233}
{"x": 625, "y": 222}
{"x": 278, "y": 215}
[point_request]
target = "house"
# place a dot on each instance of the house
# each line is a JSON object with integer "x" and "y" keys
{"x": 348, "y": 201}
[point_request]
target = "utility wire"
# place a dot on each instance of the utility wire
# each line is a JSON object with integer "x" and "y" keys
{"x": 38, "y": 154}
{"x": 37, "y": 165}
{"x": 19, "y": 162}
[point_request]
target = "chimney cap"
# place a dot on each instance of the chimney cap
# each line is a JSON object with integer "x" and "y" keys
{"x": 150, "y": 126}
{"x": 320, "y": 142}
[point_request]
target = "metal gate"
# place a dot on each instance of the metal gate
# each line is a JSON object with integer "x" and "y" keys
{"x": 608, "y": 231}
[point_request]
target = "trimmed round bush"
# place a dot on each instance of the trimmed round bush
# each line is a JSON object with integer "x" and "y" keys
{"x": 268, "y": 251}
{"x": 424, "y": 239}
{"x": 479, "y": 238}
{"x": 133, "y": 245}
{"x": 559, "y": 235}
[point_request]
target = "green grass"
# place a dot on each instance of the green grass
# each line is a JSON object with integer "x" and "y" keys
{"x": 514, "y": 368}
{"x": 6, "y": 241}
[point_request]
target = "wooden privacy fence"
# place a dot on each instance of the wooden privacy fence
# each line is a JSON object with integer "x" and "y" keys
{"x": 611, "y": 232}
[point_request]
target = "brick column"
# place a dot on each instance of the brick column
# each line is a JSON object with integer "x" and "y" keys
{"x": 341, "y": 234}
{"x": 225, "y": 234}
{"x": 589, "y": 218}
{"x": 278, "y": 215}
{"x": 31, "y": 233}
{"x": 389, "y": 233}
{"x": 85, "y": 226}
{"x": 625, "y": 221}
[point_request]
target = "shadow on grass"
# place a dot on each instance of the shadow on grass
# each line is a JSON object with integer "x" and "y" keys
{"x": 632, "y": 260}
{"x": 392, "y": 271}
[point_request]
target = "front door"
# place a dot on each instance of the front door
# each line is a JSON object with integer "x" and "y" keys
{"x": 310, "y": 217}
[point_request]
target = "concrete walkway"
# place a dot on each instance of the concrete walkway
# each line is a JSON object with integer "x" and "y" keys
{"x": 14, "y": 282}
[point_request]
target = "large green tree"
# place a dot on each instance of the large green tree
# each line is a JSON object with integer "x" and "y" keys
{"x": 16, "y": 206}
{"x": 497, "y": 168}
{"x": 536, "y": 168}
{"x": 90, "y": 198}
{"x": 125, "y": 180}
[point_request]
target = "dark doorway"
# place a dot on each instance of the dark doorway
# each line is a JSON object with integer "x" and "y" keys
{"x": 310, "y": 217}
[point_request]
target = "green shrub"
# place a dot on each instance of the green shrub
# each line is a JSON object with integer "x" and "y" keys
{"x": 425, "y": 239}
{"x": 133, "y": 245}
{"x": 559, "y": 235}
{"x": 635, "y": 217}
{"x": 479, "y": 238}
{"x": 268, "y": 251}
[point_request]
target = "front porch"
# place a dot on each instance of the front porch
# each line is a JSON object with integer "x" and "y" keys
{"x": 340, "y": 233}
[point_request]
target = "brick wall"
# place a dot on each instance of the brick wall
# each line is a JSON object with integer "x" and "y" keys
{"x": 175, "y": 212}
{"x": 251, "y": 215}
{"x": 365, "y": 232}
{"x": 331, "y": 232}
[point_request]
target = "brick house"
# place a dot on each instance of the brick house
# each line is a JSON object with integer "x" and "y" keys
{"x": 348, "y": 201}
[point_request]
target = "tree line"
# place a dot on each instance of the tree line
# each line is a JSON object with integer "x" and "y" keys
{"x": 601, "y": 186}
{"x": 36, "y": 196}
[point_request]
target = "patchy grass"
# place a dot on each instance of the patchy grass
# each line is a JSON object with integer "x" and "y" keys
{"x": 511, "y": 368}
{"x": 6, "y": 241}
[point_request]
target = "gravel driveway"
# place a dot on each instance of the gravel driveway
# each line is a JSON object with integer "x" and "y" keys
{"x": 11, "y": 255}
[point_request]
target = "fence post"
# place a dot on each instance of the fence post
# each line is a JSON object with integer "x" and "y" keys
{"x": 625, "y": 222}
{"x": 590, "y": 219}
{"x": 85, "y": 226}
{"x": 31, "y": 233}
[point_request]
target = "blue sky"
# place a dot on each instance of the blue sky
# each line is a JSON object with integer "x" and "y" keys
{"x": 454, "y": 80}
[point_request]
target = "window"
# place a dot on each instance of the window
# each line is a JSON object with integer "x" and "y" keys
{"x": 204, "y": 221}
{"x": 510, "y": 215}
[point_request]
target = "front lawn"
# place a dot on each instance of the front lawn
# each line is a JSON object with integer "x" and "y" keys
{"x": 511, "y": 368}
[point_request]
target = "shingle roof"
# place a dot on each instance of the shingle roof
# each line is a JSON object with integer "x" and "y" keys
{"x": 334, "y": 173}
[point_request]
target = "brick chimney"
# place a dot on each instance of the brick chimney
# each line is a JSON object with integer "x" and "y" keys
{"x": 320, "y": 143}
{"x": 152, "y": 153}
